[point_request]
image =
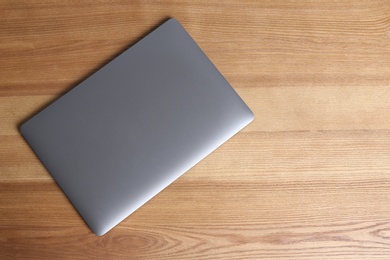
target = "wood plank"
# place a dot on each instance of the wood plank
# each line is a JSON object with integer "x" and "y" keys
{"x": 300, "y": 170}
{"x": 204, "y": 242}
{"x": 308, "y": 108}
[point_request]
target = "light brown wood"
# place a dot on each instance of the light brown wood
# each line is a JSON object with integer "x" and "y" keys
{"x": 308, "y": 179}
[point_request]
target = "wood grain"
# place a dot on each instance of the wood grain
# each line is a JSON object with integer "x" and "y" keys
{"x": 308, "y": 179}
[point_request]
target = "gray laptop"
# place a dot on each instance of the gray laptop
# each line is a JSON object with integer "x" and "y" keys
{"x": 132, "y": 128}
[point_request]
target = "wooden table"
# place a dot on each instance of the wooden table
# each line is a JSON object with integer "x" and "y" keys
{"x": 308, "y": 179}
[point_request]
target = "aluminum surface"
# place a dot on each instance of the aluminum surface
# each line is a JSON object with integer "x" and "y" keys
{"x": 132, "y": 128}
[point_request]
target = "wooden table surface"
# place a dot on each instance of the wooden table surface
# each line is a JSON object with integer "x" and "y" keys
{"x": 308, "y": 179}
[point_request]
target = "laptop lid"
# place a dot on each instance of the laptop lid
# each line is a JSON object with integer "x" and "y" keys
{"x": 132, "y": 128}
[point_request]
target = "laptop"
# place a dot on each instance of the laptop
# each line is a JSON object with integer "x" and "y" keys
{"x": 136, "y": 125}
